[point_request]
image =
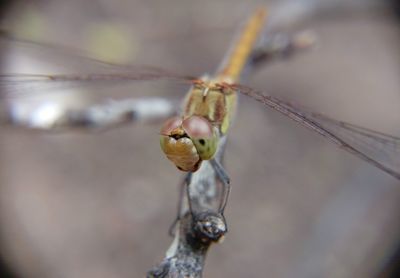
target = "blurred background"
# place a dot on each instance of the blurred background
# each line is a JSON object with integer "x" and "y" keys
{"x": 100, "y": 205}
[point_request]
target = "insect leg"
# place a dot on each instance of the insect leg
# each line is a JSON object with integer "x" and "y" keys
{"x": 185, "y": 183}
{"x": 224, "y": 178}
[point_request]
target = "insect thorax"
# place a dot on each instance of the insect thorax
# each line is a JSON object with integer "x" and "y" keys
{"x": 212, "y": 103}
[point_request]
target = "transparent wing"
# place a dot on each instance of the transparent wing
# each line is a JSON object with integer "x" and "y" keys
{"x": 24, "y": 85}
{"x": 379, "y": 149}
{"x": 69, "y": 96}
{"x": 66, "y": 59}
{"x": 70, "y": 68}
{"x": 60, "y": 57}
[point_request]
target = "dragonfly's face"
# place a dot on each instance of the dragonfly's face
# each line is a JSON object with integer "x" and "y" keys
{"x": 187, "y": 142}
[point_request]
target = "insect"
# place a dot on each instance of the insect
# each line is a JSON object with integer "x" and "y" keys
{"x": 207, "y": 113}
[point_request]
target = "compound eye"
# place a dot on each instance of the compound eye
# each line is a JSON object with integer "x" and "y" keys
{"x": 203, "y": 136}
{"x": 198, "y": 127}
{"x": 170, "y": 125}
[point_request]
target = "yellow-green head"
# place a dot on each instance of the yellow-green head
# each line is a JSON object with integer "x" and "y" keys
{"x": 189, "y": 141}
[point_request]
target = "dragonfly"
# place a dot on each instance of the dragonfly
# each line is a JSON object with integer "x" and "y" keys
{"x": 193, "y": 136}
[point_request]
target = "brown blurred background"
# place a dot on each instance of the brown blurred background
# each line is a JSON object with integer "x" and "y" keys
{"x": 100, "y": 205}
